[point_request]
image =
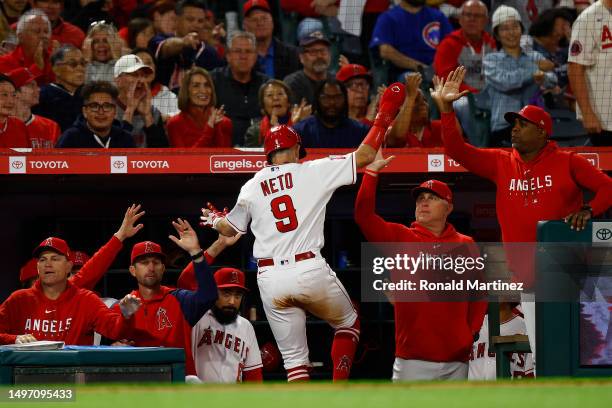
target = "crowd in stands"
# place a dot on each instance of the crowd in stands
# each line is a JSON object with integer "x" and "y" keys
{"x": 212, "y": 73}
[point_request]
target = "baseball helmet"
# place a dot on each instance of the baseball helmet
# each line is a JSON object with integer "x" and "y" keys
{"x": 282, "y": 137}
{"x": 270, "y": 357}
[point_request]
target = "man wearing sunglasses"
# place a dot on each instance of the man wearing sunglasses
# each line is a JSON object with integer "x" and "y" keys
{"x": 95, "y": 129}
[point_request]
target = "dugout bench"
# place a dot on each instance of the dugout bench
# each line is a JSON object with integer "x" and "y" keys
{"x": 95, "y": 364}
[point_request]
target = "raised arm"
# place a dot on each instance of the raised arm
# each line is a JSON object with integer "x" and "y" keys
{"x": 95, "y": 268}
{"x": 390, "y": 103}
{"x": 479, "y": 161}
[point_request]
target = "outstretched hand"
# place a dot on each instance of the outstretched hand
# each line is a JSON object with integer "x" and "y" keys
{"x": 444, "y": 93}
{"x": 131, "y": 217}
{"x": 211, "y": 216}
{"x": 129, "y": 305}
{"x": 379, "y": 162}
{"x": 187, "y": 237}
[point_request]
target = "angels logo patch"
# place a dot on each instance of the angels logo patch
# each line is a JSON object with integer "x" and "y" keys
{"x": 431, "y": 34}
{"x": 162, "y": 319}
{"x": 576, "y": 48}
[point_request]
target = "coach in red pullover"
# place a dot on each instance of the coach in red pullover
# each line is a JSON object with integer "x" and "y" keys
{"x": 167, "y": 314}
{"x": 433, "y": 340}
{"x": 535, "y": 180}
{"x": 55, "y": 309}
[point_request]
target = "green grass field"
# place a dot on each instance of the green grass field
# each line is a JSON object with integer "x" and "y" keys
{"x": 576, "y": 393}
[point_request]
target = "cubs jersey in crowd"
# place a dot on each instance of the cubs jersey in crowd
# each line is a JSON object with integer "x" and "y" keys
{"x": 591, "y": 45}
{"x": 482, "y": 363}
{"x": 224, "y": 353}
{"x": 271, "y": 196}
{"x": 71, "y": 318}
{"x": 166, "y": 319}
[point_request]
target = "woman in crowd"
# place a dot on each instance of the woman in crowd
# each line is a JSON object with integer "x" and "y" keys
{"x": 163, "y": 99}
{"x": 102, "y": 47}
{"x": 274, "y": 97}
{"x": 200, "y": 123}
{"x": 139, "y": 33}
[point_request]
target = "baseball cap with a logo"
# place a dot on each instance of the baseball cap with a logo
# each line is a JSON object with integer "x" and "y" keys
{"x": 230, "y": 278}
{"x": 128, "y": 64}
{"x": 437, "y": 187}
{"x": 78, "y": 258}
{"x": 533, "y": 114}
{"x": 254, "y": 5}
{"x": 146, "y": 248}
{"x": 312, "y": 38}
{"x": 52, "y": 244}
{"x": 350, "y": 71}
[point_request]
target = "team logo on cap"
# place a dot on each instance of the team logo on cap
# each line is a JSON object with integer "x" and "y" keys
{"x": 234, "y": 277}
{"x": 395, "y": 88}
{"x": 49, "y": 242}
{"x": 149, "y": 247}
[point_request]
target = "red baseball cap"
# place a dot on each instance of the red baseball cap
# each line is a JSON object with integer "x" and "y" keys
{"x": 533, "y": 114}
{"x": 230, "y": 278}
{"x": 28, "y": 271}
{"x": 434, "y": 186}
{"x": 78, "y": 258}
{"x": 350, "y": 71}
{"x": 146, "y": 248}
{"x": 21, "y": 77}
{"x": 52, "y": 244}
{"x": 255, "y": 4}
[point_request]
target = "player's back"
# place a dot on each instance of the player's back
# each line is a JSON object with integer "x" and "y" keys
{"x": 286, "y": 204}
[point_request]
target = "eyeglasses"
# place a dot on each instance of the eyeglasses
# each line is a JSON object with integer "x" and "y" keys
{"x": 474, "y": 16}
{"x": 95, "y": 107}
{"x": 242, "y": 51}
{"x": 73, "y": 64}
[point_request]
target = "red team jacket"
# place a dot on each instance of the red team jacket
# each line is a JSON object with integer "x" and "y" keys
{"x": 166, "y": 320}
{"x": 71, "y": 318}
{"x": 13, "y": 133}
{"x": 185, "y": 130}
{"x": 547, "y": 188}
{"x": 430, "y": 331}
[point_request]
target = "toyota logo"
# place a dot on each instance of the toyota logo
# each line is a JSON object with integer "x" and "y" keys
{"x": 435, "y": 162}
{"x": 604, "y": 234}
{"x": 17, "y": 164}
{"x": 118, "y": 164}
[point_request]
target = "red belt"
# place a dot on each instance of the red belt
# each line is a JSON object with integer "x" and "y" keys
{"x": 298, "y": 257}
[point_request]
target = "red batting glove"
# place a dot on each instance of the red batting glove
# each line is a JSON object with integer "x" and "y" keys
{"x": 390, "y": 103}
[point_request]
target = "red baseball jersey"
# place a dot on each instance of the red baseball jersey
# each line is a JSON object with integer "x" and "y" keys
{"x": 430, "y": 331}
{"x": 13, "y": 133}
{"x": 71, "y": 318}
{"x": 42, "y": 132}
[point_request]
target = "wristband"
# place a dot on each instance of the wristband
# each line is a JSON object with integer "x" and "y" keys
{"x": 197, "y": 255}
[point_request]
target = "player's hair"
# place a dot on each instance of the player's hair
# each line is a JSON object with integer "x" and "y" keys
{"x": 241, "y": 34}
{"x": 545, "y": 23}
{"x": 180, "y": 6}
{"x": 29, "y": 15}
{"x": 4, "y": 78}
{"x": 135, "y": 27}
{"x": 99, "y": 87}
{"x": 273, "y": 82}
{"x": 60, "y": 54}
{"x": 183, "y": 96}
{"x": 319, "y": 91}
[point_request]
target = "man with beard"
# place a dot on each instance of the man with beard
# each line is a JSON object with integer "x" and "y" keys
{"x": 223, "y": 343}
{"x": 95, "y": 129}
{"x": 330, "y": 126}
{"x": 168, "y": 314}
{"x": 408, "y": 34}
{"x": 316, "y": 58}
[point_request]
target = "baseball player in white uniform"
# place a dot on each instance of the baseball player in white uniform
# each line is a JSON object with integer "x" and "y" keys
{"x": 285, "y": 205}
{"x": 482, "y": 364}
{"x": 590, "y": 61}
{"x": 223, "y": 343}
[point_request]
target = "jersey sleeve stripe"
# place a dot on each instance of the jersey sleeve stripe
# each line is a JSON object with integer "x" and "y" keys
{"x": 354, "y": 166}
{"x": 234, "y": 227}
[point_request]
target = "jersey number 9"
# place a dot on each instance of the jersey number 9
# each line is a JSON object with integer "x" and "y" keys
{"x": 284, "y": 211}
